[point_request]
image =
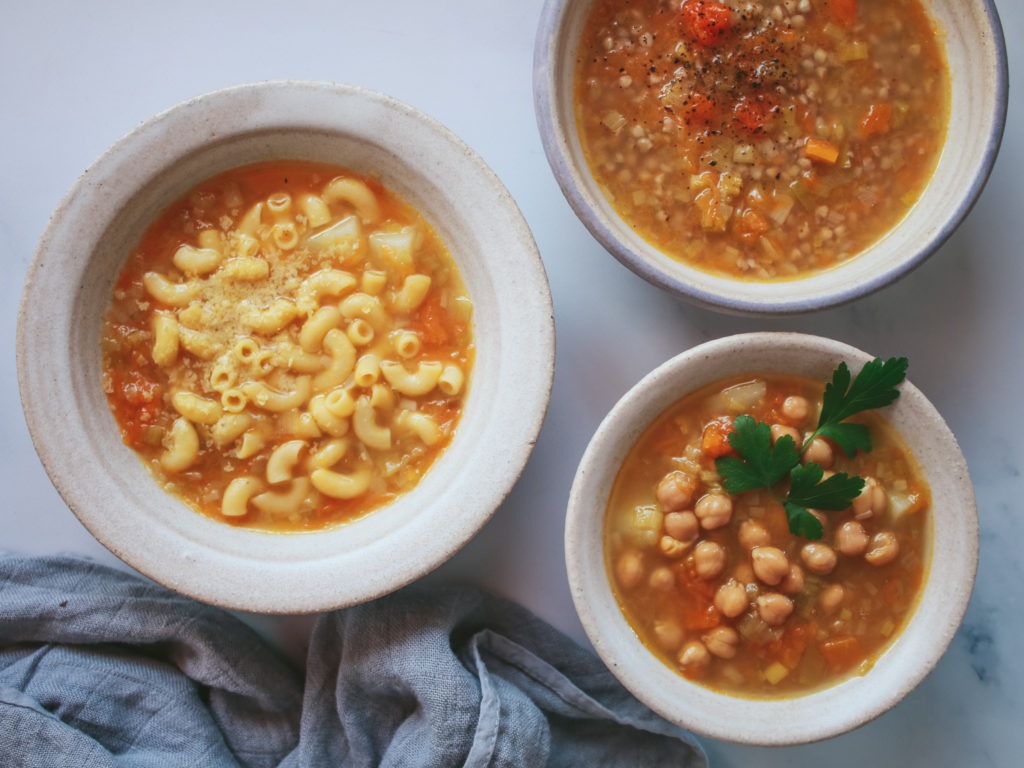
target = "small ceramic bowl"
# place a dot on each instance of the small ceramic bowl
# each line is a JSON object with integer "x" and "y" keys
{"x": 976, "y": 53}
{"x": 85, "y": 246}
{"x": 948, "y": 579}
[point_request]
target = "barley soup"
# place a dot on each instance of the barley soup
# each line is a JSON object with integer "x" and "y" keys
{"x": 761, "y": 140}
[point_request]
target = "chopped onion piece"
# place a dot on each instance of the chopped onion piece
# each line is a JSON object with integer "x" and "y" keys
{"x": 783, "y": 205}
{"x": 743, "y": 397}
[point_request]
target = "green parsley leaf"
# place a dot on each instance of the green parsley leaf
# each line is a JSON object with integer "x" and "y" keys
{"x": 835, "y": 494}
{"x": 802, "y": 522}
{"x": 763, "y": 464}
{"x": 850, "y": 437}
{"x": 874, "y": 387}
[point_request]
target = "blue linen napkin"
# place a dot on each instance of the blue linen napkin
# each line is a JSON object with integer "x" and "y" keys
{"x": 101, "y": 668}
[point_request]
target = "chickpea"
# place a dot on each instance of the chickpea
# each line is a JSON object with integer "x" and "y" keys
{"x": 770, "y": 564}
{"x": 820, "y": 452}
{"x": 694, "y": 657}
{"x": 714, "y": 510}
{"x": 774, "y": 608}
{"x": 851, "y": 538}
{"x": 722, "y": 642}
{"x": 872, "y": 501}
{"x": 629, "y": 569}
{"x": 731, "y": 599}
{"x": 662, "y": 579}
{"x": 752, "y": 534}
{"x": 796, "y": 408}
{"x": 794, "y": 581}
{"x": 709, "y": 559}
{"x": 778, "y": 430}
{"x": 673, "y": 547}
{"x": 831, "y": 598}
{"x": 743, "y": 573}
{"x": 682, "y": 525}
{"x": 675, "y": 490}
{"x": 884, "y": 548}
{"x": 668, "y": 634}
{"x": 819, "y": 558}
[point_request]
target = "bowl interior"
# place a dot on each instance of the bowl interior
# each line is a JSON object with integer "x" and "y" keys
{"x": 977, "y": 59}
{"x": 105, "y": 214}
{"x": 830, "y": 711}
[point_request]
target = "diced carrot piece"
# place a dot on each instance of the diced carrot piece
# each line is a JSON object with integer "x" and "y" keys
{"x": 715, "y": 441}
{"x": 792, "y": 645}
{"x": 878, "y": 119}
{"x": 819, "y": 149}
{"x": 842, "y": 653}
{"x": 844, "y": 11}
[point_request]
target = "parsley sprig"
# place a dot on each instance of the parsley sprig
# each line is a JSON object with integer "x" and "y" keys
{"x": 764, "y": 465}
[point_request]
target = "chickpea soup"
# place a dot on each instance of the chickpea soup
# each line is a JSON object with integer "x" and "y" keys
{"x": 718, "y": 585}
{"x": 761, "y": 140}
{"x": 288, "y": 347}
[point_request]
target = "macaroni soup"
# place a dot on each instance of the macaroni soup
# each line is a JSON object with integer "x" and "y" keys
{"x": 289, "y": 347}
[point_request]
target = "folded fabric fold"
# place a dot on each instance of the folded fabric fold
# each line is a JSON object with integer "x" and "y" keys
{"x": 102, "y": 668}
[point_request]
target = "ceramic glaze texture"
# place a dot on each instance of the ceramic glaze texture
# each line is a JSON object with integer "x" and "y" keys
{"x": 976, "y": 55}
{"x": 948, "y": 581}
{"x": 102, "y": 218}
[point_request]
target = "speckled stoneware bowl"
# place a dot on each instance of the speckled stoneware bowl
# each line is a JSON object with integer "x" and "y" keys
{"x": 948, "y": 581}
{"x": 976, "y": 53}
{"x": 102, "y": 218}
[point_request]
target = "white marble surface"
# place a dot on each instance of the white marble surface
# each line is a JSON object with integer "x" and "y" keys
{"x": 75, "y": 76}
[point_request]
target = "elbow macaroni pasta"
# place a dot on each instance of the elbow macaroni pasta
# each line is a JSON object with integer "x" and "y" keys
{"x": 288, "y": 347}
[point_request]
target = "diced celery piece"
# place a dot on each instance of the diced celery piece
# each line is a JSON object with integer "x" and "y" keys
{"x": 802, "y": 194}
{"x": 853, "y": 51}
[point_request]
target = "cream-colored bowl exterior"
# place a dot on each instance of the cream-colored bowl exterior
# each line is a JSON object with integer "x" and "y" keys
{"x": 104, "y": 215}
{"x": 977, "y": 60}
{"x": 948, "y": 581}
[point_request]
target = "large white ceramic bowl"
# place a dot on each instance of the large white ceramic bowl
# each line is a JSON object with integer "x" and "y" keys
{"x": 103, "y": 216}
{"x": 976, "y": 53}
{"x": 948, "y": 580}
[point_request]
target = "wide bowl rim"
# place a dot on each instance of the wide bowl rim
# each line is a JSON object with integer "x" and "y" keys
{"x": 820, "y": 714}
{"x": 556, "y": 139}
{"x": 209, "y": 120}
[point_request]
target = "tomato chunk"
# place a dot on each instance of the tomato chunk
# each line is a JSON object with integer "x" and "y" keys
{"x": 844, "y": 11}
{"x": 751, "y": 114}
{"x": 699, "y": 110}
{"x": 715, "y": 441}
{"x": 705, "y": 21}
{"x": 878, "y": 119}
{"x": 750, "y": 225}
{"x": 429, "y": 322}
